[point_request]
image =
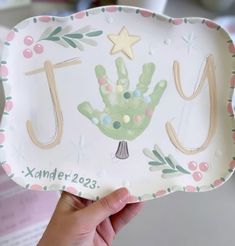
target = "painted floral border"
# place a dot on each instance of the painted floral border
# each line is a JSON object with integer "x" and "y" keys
{"x": 9, "y": 101}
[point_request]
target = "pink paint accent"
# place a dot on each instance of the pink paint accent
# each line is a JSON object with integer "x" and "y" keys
{"x": 230, "y": 108}
{"x": 2, "y": 138}
{"x": 149, "y": 112}
{"x": 203, "y": 166}
{"x": 177, "y": 21}
{"x": 109, "y": 88}
{"x": 102, "y": 81}
{"x": 38, "y": 48}
{"x": 192, "y": 165}
{"x": 80, "y": 15}
{"x": 112, "y": 9}
{"x": 3, "y": 71}
{"x": 211, "y": 24}
{"x": 197, "y": 176}
{"x": 232, "y": 82}
{"x": 36, "y": 187}
{"x": 231, "y": 48}
{"x": 10, "y": 36}
{"x": 44, "y": 18}
{"x": 145, "y": 13}
{"x": 27, "y": 53}
{"x": 8, "y": 106}
{"x": 137, "y": 118}
{"x": 160, "y": 193}
{"x": 72, "y": 190}
{"x": 190, "y": 188}
{"x": 232, "y": 164}
{"x": 28, "y": 40}
{"x": 233, "y": 136}
{"x": 7, "y": 168}
{"x": 217, "y": 182}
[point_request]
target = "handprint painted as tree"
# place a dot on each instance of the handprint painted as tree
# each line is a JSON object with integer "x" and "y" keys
{"x": 127, "y": 113}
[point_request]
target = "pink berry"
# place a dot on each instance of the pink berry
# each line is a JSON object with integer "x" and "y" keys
{"x": 102, "y": 81}
{"x": 203, "y": 166}
{"x": 28, "y": 40}
{"x": 137, "y": 118}
{"x": 27, "y": 53}
{"x": 112, "y": 8}
{"x": 192, "y": 165}
{"x": 72, "y": 190}
{"x": 145, "y": 13}
{"x": 149, "y": 112}
{"x": 38, "y": 48}
{"x": 2, "y": 138}
{"x": 3, "y": 71}
{"x": 8, "y": 106}
{"x": 109, "y": 88}
{"x": 197, "y": 176}
{"x": 10, "y": 36}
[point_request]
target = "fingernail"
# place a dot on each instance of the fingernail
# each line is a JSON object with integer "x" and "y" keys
{"x": 123, "y": 195}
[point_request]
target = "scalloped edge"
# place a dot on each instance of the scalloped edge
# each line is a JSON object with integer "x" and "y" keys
{"x": 145, "y": 14}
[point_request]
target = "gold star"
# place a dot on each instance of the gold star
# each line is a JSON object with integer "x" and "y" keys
{"x": 123, "y": 42}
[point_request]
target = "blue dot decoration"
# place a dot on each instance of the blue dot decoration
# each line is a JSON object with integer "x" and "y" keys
{"x": 95, "y": 121}
{"x": 106, "y": 120}
{"x": 137, "y": 93}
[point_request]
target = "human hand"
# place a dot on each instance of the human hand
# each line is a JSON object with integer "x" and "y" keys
{"x": 81, "y": 222}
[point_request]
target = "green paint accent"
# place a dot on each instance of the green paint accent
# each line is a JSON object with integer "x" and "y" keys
{"x": 27, "y": 186}
{"x": 169, "y": 162}
{"x": 122, "y": 73}
{"x": 159, "y": 157}
{"x": 8, "y": 98}
{"x": 53, "y": 18}
{"x": 71, "y": 17}
{"x": 155, "y": 163}
{"x": 116, "y": 105}
{"x": 94, "y": 34}
{"x": 1, "y": 146}
{"x": 168, "y": 171}
{"x": 182, "y": 170}
{"x": 15, "y": 29}
{"x": 66, "y": 38}
{"x": 69, "y": 42}
{"x": 127, "y": 95}
{"x": 198, "y": 189}
{"x": 3, "y": 62}
{"x": 45, "y": 187}
{"x": 222, "y": 179}
{"x": 116, "y": 125}
{"x": 34, "y": 20}
{"x": 74, "y": 35}
{"x": 169, "y": 190}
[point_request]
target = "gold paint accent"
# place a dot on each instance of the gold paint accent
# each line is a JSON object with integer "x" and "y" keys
{"x": 66, "y": 63}
{"x": 48, "y": 68}
{"x": 123, "y": 42}
{"x": 209, "y": 74}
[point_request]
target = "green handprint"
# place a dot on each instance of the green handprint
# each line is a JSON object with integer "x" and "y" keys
{"x": 127, "y": 113}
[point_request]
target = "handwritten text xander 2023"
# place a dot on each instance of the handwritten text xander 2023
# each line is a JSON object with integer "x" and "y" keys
{"x": 55, "y": 174}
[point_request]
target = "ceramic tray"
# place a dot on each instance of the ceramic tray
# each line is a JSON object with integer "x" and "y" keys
{"x": 118, "y": 96}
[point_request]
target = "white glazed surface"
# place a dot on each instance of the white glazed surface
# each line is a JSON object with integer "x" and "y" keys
{"x": 84, "y": 150}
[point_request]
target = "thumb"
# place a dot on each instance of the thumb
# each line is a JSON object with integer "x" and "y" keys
{"x": 105, "y": 207}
